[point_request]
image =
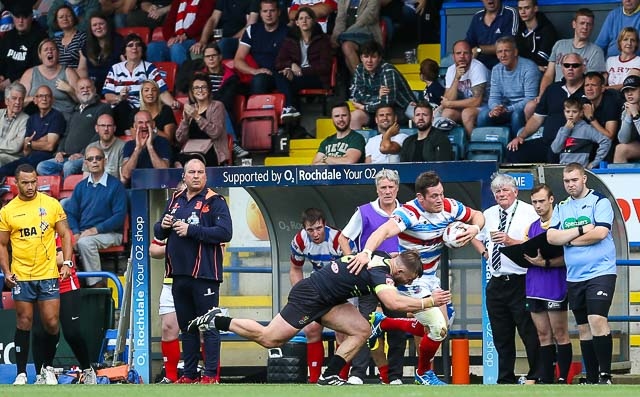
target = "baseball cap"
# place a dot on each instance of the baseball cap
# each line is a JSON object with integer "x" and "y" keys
{"x": 22, "y": 10}
{"x": 630, "y": 82}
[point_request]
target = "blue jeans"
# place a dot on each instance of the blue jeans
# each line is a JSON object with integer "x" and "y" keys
{"x": 228, "y": 47}
{"x": 53, "y": 167}
{"x": 159, "y": 51}
{"x": 515, "y": 120}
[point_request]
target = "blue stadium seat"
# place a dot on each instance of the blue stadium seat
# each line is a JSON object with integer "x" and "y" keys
{"x": 409, "y": 131}
{"x": 366, "y": 134}
{"x": 488, "y": 143}
{"x": 458, "y": 140}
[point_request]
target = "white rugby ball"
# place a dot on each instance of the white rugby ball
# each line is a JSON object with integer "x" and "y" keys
{"x": 451, "y": 233}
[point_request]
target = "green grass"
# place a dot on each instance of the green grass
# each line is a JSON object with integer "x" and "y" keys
{"x": 256, "y": 390}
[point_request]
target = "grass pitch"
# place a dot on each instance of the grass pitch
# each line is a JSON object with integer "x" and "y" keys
{"x": 259, "y": 390}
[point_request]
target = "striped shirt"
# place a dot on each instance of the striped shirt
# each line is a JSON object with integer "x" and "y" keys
{"x": 302, "y": 247}
{"x": 119, "y": 77}
{"x": 69, "y": 55}
{"x": 422, "y": 230}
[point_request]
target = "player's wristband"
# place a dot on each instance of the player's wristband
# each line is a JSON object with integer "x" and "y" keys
{"x": 368, "y": 252}
{"x": 68, "y": 263}
{"x": 580, "y": 230}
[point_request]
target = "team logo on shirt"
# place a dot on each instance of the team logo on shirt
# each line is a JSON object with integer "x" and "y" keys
{"x": 205, "y": 209}
{"x": 198, "y": 205}
{"x": 334, "y": 267}
{"x": 42, "y": 211}
{"x": 570, "y": 223}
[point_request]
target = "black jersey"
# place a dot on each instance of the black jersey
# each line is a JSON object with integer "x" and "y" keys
{"x": 337, "y": 284}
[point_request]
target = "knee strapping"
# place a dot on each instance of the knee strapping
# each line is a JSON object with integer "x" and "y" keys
{"x": 434, "y": 320}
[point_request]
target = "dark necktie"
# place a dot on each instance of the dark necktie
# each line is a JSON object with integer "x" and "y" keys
{"x": 495, "y": 255}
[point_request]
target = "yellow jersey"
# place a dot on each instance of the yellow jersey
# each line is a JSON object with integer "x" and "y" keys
{"x": 31, "y": 228}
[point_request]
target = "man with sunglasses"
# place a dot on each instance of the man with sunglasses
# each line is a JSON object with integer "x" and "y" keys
{"x": 549, "y": 113}
{"x": 96, "y": 211}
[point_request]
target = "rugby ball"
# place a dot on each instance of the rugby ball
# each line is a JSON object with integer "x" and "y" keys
{"x": 451, "y": 233}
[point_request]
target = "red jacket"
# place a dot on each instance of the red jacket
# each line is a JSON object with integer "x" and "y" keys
{"x": 319, "y": 52}
{"x": 205, "y": 9}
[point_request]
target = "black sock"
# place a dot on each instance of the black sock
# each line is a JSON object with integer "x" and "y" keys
{"x": 547, "y": 354}
{"x": 222, "y": 323}
{"x": 590, "y": 360}
{"x": 21, "y": 340}
{"x": 565, "y": 356}
{"x": 49, "y": 348}
{"x": 603, "y": 346}
{"x": 335, "y": 366}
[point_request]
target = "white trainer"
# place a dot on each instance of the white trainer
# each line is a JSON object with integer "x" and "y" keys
{"x": 49, "y": 376}
{"x": 39, "y": 380}
{"x": 21, "y": 379}
{"x": 89, "y": 377}
{"x": 355, "y": 380}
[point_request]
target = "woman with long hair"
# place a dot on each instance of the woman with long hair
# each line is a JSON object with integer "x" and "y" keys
{"x": 102, "y": 49}
{"x": 59, "y": 78}
{"x": 305, "y": 57}
{"x": 162, "y": 114}
{"x": 71, "y": 41}
{"x": 203, "y": 119}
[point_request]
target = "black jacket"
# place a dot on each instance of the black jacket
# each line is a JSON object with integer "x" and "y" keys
{"x": 436, "y": 147}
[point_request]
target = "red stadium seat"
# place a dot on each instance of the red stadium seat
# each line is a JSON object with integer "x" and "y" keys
{"x": 49, "y": 184}
{"x": 118, "y": 249}
{"x": 168, "y": 71}
{"x": 324, "y": 92}
{"x": 69, "y": 184}
{"x": 7, "y": 301}
{"x": 143, "y": 31}
{"x": 157, "y": 34}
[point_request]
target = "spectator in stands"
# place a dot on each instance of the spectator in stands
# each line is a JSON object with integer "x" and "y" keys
{"x": 618, "y": 66}
{"x": 181, "y": 29}
{"x": 60, "y": 79}
{"x": 13, "y": 123}
{"x": 102, "y": 49}
{"x": 357, "y": 23}
{"x": 162, "y": 114}
{"x": 304, "y": 59}
{"x": 41, "y": 135}
{"x": 224, "y": 85}
{"x": 317, "y": 243}
{"x": 549, "y": 114}
{"x": 111, "y": 145}
{"x": 81, "y": 9}
{"x": 629, "y": 147}
{"x": 593, "y": 56}
{"x": 323, "y": 10}
{"x": 376, "y": 83}
{"x": 122, "y": 85}
{"x": 430, "y": 143}
{"x": 514, "y": 82}
{"x": 487, "y": 26}
{"x": 96, "y": 211}
{"x": 203, "y": 120}
{"x": 576, "y": 140}
{"x": 80, "y": 132}
{"x": 262, "y": 42}
{"x": 18, "y": 46}
{"x": 385, "y": 147}
{"x": 147, "y": 150}
{"x": 149, "y": 13}
{"x": 466, "y": 88}
{"x": 430, "y": 74}
{"x": 70, "y": 40}
{"x": 627, "y": 15}
{"x": 536, "y": 34}
{"x": 232, "y": 16}
{"x": 602, "y": 108}
{"x": 345, "y": 146}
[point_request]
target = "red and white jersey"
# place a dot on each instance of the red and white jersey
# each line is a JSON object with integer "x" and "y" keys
{"x": 303, "y": 248}
{"x": 422, "y": 231}
{"x": 72, "y": 283}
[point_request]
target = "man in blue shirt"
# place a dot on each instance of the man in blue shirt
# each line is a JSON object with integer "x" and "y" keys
{"x": 626, "y": 15}
{"x": 514, "y": 82}
{"x": 96, "y": 212}
{"x": 582, "y": 223}
{"x": 487, "y": 26}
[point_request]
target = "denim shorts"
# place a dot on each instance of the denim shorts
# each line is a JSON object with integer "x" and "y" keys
{"x": 39, "y": 290}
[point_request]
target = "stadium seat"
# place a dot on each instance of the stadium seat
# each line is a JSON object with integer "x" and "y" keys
{"x": 157, "y": 34}
{"x": 366, "y": 134}
{"x": 122, "y": 248}
{"x": 431, "y": 51}
{"x": 49, "y": 184}
{"x": 488, "y": 143}
{"x": 7, "y": 300}
{"x": 168, "y": 71}
{"x": 384, "y": 33}
{"x": 458, "y": 138}
{"x": 259, "y": 120}
{"x": 69, "y": 184}
{"x": 261, "y": 102}
{"x": 143, "y": 31}
{"x": 323, "y": 93}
